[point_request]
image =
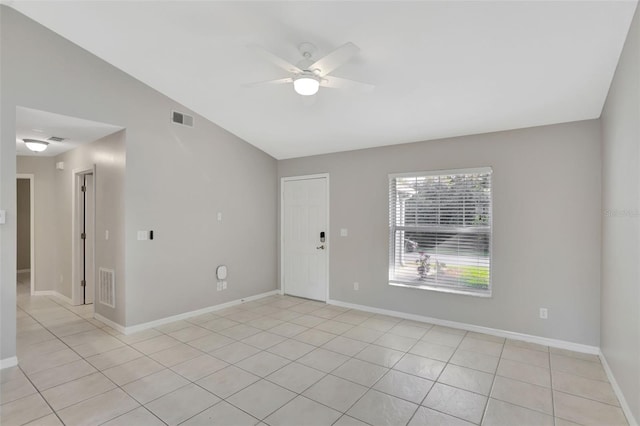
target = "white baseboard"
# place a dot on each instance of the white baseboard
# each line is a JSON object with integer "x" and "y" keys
{"x": 8, "y": 362}
{"x": 64, "y": 298}
{"x": 54, "y": 294}
{"x": 156, "y": 323}
{"x": 614, "y": 384}
{"x": 562, "y": 344}
{"x": 45, "y": 293}
{"x": 112, "y": 324}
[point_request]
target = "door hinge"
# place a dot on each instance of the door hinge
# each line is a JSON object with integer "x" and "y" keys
{"x": 83, "y": 236}
{"x": 83, "y": 188}
{"x": 83, "y": 283}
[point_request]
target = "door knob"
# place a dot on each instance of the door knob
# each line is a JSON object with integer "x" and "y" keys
{"x": 320, "y": 247}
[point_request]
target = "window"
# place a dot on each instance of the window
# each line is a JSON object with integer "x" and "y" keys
{"x": 440, "y": 230}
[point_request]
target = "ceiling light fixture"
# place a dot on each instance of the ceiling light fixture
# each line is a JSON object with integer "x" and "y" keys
{"x": 306, "y": 85}
{"x": 36, "y": 145}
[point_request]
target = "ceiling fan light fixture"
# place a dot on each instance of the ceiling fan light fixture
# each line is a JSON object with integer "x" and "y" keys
{"x": 35, "y": 145}
{"x": 306, "y": 85}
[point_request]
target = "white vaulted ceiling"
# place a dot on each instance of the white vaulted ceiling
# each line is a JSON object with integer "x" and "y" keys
{"x": 441, "y": 69}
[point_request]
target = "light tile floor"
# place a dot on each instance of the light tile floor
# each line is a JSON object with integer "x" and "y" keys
{"x": 288, "y": 361}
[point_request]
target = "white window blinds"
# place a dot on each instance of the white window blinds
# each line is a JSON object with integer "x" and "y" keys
{"x": 440, "y": 230}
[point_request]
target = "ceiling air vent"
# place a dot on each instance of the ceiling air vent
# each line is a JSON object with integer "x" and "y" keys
{"x": 181, "y": 118}
{"x": 56, "y": 139}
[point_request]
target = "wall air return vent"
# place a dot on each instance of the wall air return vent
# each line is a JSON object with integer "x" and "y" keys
{"x": 56, "y": 139}
{"x": 181, "y": 118}
{"x": 107, "y": 287}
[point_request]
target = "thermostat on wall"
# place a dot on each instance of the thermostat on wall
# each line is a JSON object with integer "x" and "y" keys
{"x": 221, "y": 272}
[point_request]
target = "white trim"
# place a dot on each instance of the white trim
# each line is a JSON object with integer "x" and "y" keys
{"x": 8, "y": 362}
{"x": 151, "y": 324}
{"x": 561, "y": 344}
{"x": 444, "y": 172}
{"x": 54, "y": 293}
{"x": 21, "y": 271}
{"x": 110, "y": 323}
{"x": 616, "y": 389}
{"x": 305, "y": 177}
{"x": 32, "y": 229}
{"x": 63, "y": 298}
{"x": 393, "y": 227}
{"x": 327, "y": 231}
{"x": 75, "y": 233}
{"x": 443, "y": 289}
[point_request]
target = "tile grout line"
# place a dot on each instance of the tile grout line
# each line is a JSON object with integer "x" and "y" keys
{"x": 265, "y": 378}
{"x": 321, "y": 346}
{"x": 493, "y": 382}
{"x": 329, "y": 373}
{"x": 54, "y": 412}
{"x": 235, "y": 364}
{"x": 69, "y": 347}
{"x": 97, "y": 371}
{"x": 147, "y": 355}
{"x": 553, "y": 398}
{"x": 440, "y": 374}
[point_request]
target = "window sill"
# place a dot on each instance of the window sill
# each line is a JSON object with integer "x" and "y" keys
{"x": 484, "y": 294}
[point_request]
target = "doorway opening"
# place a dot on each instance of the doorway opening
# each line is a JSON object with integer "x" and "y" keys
{"x": 83, "y": 242}
{"x": 25, "y": 246}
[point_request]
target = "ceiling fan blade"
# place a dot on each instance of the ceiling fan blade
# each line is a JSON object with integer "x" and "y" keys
{"x": 334, "y": 59}
{"x": 276, "y": 60}
{"x": 268, "y": 82}
{"x": 343, "y": 83}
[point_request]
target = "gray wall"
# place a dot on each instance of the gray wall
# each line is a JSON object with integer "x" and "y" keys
{"x": 546, "y": 235}
{"x": 43, "y": 169}
{"x": 620, "y": 311}
{"x": 23, "y": 206}
{"x": 177, "y": 178}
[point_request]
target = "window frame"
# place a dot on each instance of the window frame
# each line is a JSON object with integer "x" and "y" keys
{"x": 392, "y": 281}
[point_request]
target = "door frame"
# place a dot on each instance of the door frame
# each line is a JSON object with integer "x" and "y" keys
{"x": 327, "y": 232}
{"x": 32, "y": 236}
{"x": 76, "y": 252}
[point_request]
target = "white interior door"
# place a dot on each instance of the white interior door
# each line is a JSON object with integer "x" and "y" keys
{"x": 304, "y": 224}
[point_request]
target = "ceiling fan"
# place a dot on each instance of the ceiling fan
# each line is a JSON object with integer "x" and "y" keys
{"x": 308, "y": 75}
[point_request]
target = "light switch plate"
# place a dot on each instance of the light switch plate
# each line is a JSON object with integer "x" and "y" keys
{"x": 143, "y": 235}
{"x": 344, "y": 232}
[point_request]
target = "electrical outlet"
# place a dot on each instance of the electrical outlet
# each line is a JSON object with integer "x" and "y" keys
{"x": 219, "y": 286}
{"x": 224, "y": 285}
{"x": 356, "y": 286}
{"x": 544, "y": 313}
{"x": 219, "y": 216}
